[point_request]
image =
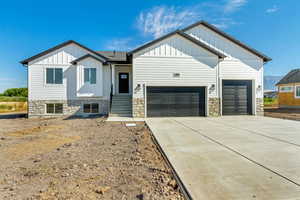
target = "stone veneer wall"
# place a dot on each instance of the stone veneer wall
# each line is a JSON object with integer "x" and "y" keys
{"x": 259, "y": 107}
{"x": 138, "y": 107}
{"x": 37, "y": 108}
{"x": 214, "y": 107}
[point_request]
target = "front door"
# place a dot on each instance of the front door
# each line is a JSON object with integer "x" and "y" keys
{"x": 123, "y": 82}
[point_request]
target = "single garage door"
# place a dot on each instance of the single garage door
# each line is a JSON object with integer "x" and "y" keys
{"x": 175, "y": 101}
{"x": 237, "y": 97}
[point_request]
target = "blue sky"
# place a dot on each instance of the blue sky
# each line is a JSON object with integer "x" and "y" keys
{"x": 28, "y": 27}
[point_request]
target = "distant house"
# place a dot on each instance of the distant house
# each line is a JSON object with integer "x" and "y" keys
{"x": 289, "y": 89}
{"x": 270, "y": 94}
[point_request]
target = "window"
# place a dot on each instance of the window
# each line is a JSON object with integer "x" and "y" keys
{"x": 91, "y": 108}
{"x": 54, "y": 76}
{"x": 56, "y": 108}
{"x": 90, "y": 75}
{"x": 286, "y": 88}
{"x": 297, "y": 91}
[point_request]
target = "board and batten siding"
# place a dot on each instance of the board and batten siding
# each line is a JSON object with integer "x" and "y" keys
{"x": 157, "y": 64}
{"x": 61, "y": 58}
{"x": 239, "y": 63}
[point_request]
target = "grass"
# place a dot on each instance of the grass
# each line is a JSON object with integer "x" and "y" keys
{"x": 12, "y": 99}
{"x": 270, "y": 101}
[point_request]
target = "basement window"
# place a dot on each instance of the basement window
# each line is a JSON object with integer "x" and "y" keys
{"x": 54, "y": 108}
{"x": 91, "y": 108}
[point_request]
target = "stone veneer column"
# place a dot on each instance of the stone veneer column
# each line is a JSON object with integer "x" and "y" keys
{"x": 214, "y": 107}
{"x": 259, "y": 107}
{"x": 138, "y": 107}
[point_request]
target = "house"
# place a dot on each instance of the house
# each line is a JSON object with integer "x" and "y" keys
{"x": 289, "y": 90}
{"x": 195, "y": 71}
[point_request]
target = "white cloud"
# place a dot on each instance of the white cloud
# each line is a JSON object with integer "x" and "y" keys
{"x": 162, "y": 19}
{"x": 120, "y": 44}
{"x": 272, "y": 10}
{"x": 233, "y": 5}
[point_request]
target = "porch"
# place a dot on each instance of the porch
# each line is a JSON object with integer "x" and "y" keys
{"x": 121, "y": 91}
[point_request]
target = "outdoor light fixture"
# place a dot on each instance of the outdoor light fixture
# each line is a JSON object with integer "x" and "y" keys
{"x": 137, "y": 88}
{"x": 212, "y": 87}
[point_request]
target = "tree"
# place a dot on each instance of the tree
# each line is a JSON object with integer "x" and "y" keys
{"x": 16, "y": 92}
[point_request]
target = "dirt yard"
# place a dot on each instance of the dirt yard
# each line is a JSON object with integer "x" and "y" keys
{"x": 283, "y": 113}
{"x": 81, "y": 159}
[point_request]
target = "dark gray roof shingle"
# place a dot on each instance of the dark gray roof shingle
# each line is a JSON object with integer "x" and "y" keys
{"x": 292, "y": 77}
{"x": 114, "y": 55}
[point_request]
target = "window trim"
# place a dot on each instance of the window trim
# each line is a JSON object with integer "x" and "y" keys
{"x": 90, "y": 75}
{"x": 53, "y": 84}
{"x": 54, "y": 109}
{"x": 281, "y": 91}
{"x": 91, "y": 113}
{"x": 297, "y": 86}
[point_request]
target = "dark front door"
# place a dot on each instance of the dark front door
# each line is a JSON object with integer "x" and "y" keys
{"x": 175, "y": 101}
{"x": 123, "y": 82}
{"x": 237, "y": 97}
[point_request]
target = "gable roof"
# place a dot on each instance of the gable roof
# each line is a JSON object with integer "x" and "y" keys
{"x": 292, "y": 77}
{"x": 74, "y": 62}
{"x": 184, "y": 35}
{"x": 26, "y": 61}
{"x": 227, "y": 36}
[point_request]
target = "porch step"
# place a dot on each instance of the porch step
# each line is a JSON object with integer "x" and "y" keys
{"x": 121, "y": 106}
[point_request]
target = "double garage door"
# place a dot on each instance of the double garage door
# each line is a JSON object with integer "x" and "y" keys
{"x": 191, "y": 101}
{"x": 175, "y": 101}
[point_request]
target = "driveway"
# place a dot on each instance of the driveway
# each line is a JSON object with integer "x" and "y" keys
{"x": 240, "y": 157}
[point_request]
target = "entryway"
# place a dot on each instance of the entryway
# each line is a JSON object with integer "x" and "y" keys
{"x": 123, "y": 83}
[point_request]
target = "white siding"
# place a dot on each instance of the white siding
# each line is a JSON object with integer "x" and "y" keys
{"x": 61, "y": 58}
{"x": 155, "y": 66}
{"x": 239, "y": 63}
{"x": 87, "y": 89}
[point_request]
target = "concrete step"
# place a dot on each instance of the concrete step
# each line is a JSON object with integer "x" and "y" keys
{"x": 121, "y": 112}
{"x": 121, "y": 97}
{"x": 120, "y": 115}
{"x": 121, "y": 108}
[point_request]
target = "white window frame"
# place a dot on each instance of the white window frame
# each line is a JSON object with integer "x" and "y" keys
{"x": 297, "y": 86}
{"x": 45, "y": 76}
{"x": 284, "y": 91}
{"x": 89, "y": 69}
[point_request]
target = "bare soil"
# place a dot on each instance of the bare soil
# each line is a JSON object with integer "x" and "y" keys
{"x": 283, "y": 113}
{"x": 81, "y": 159}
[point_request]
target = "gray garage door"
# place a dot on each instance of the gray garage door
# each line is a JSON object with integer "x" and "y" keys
{"x": 175, "y": 101}
{"x": 237, "y": 97}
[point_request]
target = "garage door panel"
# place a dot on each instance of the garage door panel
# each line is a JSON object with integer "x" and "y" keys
{"x": 175, "y": 101}
{"x": 237, "y": 97}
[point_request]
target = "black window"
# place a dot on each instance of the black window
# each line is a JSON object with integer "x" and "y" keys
{"x": 91, "y": 108}
{"x": 54, "y": 76}
{"x": 56, "y": 108}
{"x": 90, "y": 75}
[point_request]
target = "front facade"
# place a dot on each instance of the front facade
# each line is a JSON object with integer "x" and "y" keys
{"x": 196, "y": 71}
{"x": 289, "y": 90}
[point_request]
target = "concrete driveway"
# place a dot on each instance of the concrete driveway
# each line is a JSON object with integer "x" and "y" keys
{"x": 240, "y": 157}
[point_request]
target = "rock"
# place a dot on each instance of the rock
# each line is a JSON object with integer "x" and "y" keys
{"x": 172, "y": 183}
{"x": 102, "y": 190}
{"x": 2, "y": 138}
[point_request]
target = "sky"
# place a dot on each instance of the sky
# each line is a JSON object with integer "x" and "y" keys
{"x": 31, "y": 26}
